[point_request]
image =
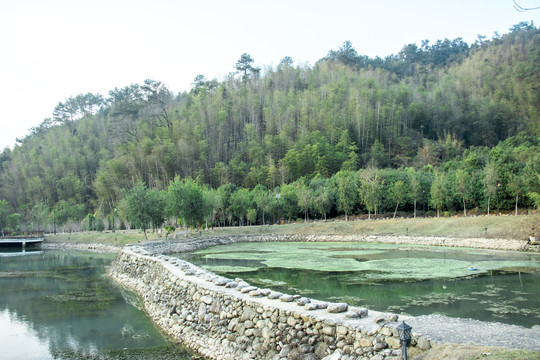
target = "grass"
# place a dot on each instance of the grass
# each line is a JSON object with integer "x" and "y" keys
{"x": 118, "y": 238}
{"x": 498, "y": 227}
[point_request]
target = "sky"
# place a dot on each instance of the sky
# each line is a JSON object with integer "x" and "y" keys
{"x": 53, "y": 49}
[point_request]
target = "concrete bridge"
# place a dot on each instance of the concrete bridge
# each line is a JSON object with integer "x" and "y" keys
{"x": 33, "y": 239}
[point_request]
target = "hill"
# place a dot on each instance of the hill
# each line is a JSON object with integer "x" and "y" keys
{"x": 460, "y": 121}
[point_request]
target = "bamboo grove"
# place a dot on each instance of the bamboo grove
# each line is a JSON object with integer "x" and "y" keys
{"x": 437, "y": 129}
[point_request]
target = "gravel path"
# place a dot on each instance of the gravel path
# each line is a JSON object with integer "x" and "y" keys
{"x": 443, "y": 329}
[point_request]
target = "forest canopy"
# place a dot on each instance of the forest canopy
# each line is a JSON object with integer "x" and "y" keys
{"x": 445, "y": 126}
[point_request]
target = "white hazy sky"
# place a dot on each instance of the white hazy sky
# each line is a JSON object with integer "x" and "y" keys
{"x": 53, "y": 49}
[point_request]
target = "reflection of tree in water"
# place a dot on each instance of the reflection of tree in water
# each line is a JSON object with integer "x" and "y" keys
{"x": 69, "y": 304}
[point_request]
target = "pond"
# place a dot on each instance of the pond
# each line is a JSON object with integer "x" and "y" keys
{"x": 60, "y": 305}
{"x": 415, "y": 280}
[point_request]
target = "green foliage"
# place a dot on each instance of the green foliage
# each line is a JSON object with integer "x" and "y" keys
{"x": 398, "y": 192}
{"x": 185, "y": 200}
{"x": 100, "y": 226}
{"x": 139, "y": 203}
{"x": 347, "y": 192}
{"x": 439, "y": 192}
{"x": 439, "y": 108}
{"x": 370, "y": 189}
{"x": 4, "y": 215}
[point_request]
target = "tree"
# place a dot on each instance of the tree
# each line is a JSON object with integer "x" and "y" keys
{"x": 347, "y": 192}
{"x": 158, "y": 102}
{"x": 185, "y": 201}
{"x": 323, "y": 201}
{"x": 439, "y": 191}
{"x": 415, "y": 186}
{"x": 156, "y": 208}
{"x": 398, "y": 193}
{"x": 370, "y": 189}
{"x": 515, "y": 187}
{"x": 39, "y": 215}
{"x": 13, "y": 221}
{"x": 462, "y": 186}
{"x": 244, "y": 65}
{"x": 263, "y": 198}
{"x": 241, "y": 202}
{"x": 4, "y": 214}
{"x": 138, "y": 206}
{"x": 490, "y": 182}
{"x": 305, "y": 200}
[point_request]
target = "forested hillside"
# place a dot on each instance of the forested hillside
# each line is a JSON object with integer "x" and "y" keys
{"x": 446, "y": 126}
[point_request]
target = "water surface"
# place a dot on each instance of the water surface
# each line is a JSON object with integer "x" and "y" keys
{"x": 415, "y": 280}
{"x": 60, "y": 305}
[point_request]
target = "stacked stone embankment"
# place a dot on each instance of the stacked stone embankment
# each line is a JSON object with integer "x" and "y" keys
{"x": 224, "y": 318}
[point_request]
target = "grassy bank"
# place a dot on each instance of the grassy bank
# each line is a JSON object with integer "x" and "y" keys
{"x": 498, "y": 227}
{"x": 493, "y": 227}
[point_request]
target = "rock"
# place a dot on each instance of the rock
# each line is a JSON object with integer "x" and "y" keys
{"x": 329, "y": 330}
{"x": 378, "y": 346}
{"x": 286, "y": 298}
{"x": 342, "y": 330}
{"x": 423, "y": 343}
{"x": 336, "y": 355}
{"x": 222, "y": 281}
{"x": 274, "y": 295}
{"x": 393, "y": 342}
{"x": 337, "y": 308}
{"x": 303, "y": 301}
{"x": 247, "y": 289}
{"x": 352, "y": 315}
{"x": 247, "y": 314}
{"x": 207, "y": 299}
{"x": 255, "y": 293}
{"x": 362, "y": 312}
{"x": 241, "y": 284}
{"x": 265, "y": 292}
{"x": 285, "y": 351}
{"x": 231, "y": 284}
{"x": 311, "y": 306}
{"x": 365, "y": 343}
{"x": 322, "y": 305}
{"x": 320, "y": 349}
{"x": 215, "y": 307}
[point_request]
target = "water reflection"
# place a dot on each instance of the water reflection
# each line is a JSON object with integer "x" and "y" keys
{"x": 54, "y": 303}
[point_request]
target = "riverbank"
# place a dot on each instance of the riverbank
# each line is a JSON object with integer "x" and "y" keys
{"x": 483, "y": 232}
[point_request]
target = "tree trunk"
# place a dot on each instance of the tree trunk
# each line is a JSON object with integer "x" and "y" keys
{"x": 489, "y": 198}
{"x": 437, "y": 212}
{"x": 517, "y": 198}
{"x": 395, "y": 211}
{"x": 145, "y": 234}
{"x": 464, "y": 208}
{"x": 415, "y": 208}
{"x": 369, "y": 215}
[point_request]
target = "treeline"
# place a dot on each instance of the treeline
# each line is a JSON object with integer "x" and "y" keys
{"x": 482, "y": 179}
{"x": 436, "y": 109}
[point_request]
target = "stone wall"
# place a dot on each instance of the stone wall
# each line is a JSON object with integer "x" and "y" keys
{"x": 224, "y": 318}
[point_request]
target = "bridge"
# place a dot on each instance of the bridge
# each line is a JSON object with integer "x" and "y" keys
{"x": 33, "y": 239}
